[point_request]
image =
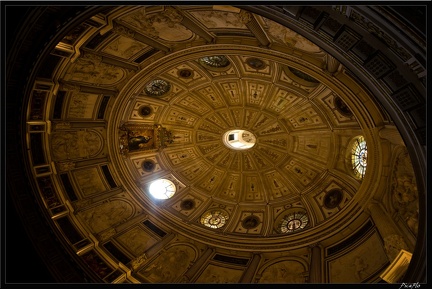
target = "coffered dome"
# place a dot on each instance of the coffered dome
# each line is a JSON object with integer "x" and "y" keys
{"x": 216, "y": 144}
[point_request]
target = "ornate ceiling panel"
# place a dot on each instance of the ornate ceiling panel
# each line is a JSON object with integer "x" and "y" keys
{"x": 249, "y": 125}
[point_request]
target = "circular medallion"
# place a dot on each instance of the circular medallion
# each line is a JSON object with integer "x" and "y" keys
{"x": 148, "y": 165}
{"x": 145, "y": 111}
{"x": 333, "y": 198}
{"x": 250, "y": 222}
{"x": 215, "y": 61}
{"x": 157, "y": 87}
{"x": 187, "y": 204}
{"x": 293, "y": 222}
{"x": 342, "y": 107}
{"x": 185, "y": 73}
{"x": 214, "y": 219}
{"x": 255, "y": 63}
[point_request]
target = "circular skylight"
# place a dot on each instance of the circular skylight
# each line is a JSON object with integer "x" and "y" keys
{"x": 162, "y": 189}
{"x": 239, "y": 139}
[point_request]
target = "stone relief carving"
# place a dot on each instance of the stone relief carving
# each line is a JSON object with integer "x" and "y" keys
{"x": 89, "y": 181}
{"x": 70, "y": 87}
{"x": 358, "y": 263}
{"x": 138, "y": 262}
{"x": 90, "y": 69}
{"x": 62, "y": 125}
{"x": 286, "y": 36}
{"x": 393, "y": 244}
{"x": 360, "y": 267}
{"x": 245, "y": 17}
{"x": 65, "y": 166}
{"x": 404, "y": 192}
{"x": 284, "y": 272}
{"x": 82, "y": 105}
{"x": 173, "y": 14}
{"x": 106, "y": 235}
{"x": 82, "y": 204}
{"x": 219, "y": 19}
{"x": 218, "y": 275}
{"x": 169, "y": 265}
{"x": 77, "y": 144}
{"x": 124, "y": 47}
{"x": 106, "y": 215}
{"x": 137, "y": 241}
{"x": 164, "y": 25}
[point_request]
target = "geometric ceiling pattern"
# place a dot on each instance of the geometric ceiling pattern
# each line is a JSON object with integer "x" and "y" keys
{"x": 147, "y": 93}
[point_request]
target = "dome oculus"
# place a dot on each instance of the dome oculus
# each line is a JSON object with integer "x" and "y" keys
{"x": 162, "y": 189}
{"x": 239, "y": 139}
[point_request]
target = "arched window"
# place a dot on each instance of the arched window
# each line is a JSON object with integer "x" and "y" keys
{"x": 162, "y": 189}
{"x": 359, "y": 157}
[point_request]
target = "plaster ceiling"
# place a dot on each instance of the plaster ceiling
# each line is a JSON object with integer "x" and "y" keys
{"x": 281, "y": 93}
{"x": 176, "y": 80}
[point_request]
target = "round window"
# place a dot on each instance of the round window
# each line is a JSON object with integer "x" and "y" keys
{"x": 293, "y": 222}
{"x": 214, "y": 219}
{"x": 162, "y": 189}
{"x": 239, "y": 139}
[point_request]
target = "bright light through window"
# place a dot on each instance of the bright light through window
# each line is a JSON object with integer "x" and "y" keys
{"x": 162, "y": 189}
{"x": 239, "y": 139}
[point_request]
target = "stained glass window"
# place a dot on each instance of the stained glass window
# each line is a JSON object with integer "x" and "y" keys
{"x": 162, "y": 189}
{"x": 293, "y": 222}
{"x": 214, "y": 219}
{"x": 215, "y": 61}
{"x": 157, "y": 87}
{"x": 359, "y": 157}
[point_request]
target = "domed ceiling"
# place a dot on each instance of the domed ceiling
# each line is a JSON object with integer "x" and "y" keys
{"x": 172, "y": 111}
{"x": 262, "y": 141}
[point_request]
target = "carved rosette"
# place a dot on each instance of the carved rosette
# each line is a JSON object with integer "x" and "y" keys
{"x": 245, "y": 17}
